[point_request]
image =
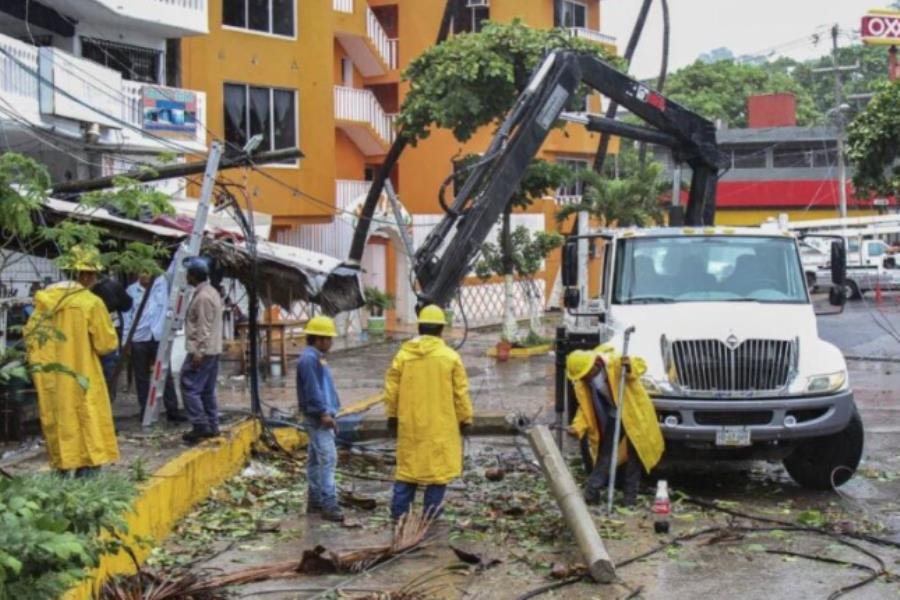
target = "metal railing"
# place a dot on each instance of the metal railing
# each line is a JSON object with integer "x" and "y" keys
{"x": 345, "y": 6}
{"x": 379, "y": 37}
{"x": 14, "y": 79}
{"x": 361, "y": 106}
{"x": 563, "y": 199}
{"x": 393, "y": 56}
{"x": 592, "y": 35}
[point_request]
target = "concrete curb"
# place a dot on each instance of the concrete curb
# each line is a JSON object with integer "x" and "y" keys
{"x": 174, "y": 490}
{"x": 523, "y": 352}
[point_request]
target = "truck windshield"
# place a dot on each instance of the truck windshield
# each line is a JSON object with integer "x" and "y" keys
{"x": 656, "y": 270}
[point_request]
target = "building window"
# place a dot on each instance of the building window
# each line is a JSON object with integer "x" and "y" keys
{"x": 748, "y": 158}
{"x": 133, "y": 62}
{"x": 470, "y": 16}
{"x": 576, "y": 186}
{"x": 251, "y": 110}
{"x": 267, "y": 16}
{"x": 572, "y": 14}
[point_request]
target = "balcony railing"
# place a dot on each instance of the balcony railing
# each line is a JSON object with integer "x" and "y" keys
{"x": 563, "y": 199}
{"x": 171, "y": 17}
{"x": 348, "y": 190}
{"x": 361, "y": 106}
{"x": 80, "y": 90}
{"x": 394, "y": 56}
{"x": 592, "y": 35}
{"x": 18, "y": 80}
{"x": 345, "y": 6}
{"x": 379, "y": 37}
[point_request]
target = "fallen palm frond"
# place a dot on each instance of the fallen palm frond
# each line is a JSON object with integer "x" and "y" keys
{"x": 148, "y": 585}
{"x": 422, "y": 586}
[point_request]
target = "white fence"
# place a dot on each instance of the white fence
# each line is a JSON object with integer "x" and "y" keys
{"x": 345, "y": 6}
{"x": 394, "y": 56}
{"x": 592, "y": 35}
{"x": 19, "y": 271}
{"x": 351, "y": 104}
{"x": 483, "y": 303}
{"x": 16, "y": 80}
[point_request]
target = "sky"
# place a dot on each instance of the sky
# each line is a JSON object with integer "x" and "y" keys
{"x": 744, "y": 26}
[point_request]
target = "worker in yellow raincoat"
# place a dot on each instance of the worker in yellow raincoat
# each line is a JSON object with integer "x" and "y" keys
{"x": 75, "y": 412}
{"x": 595, "y": 376}
{"x": 428, "y": 407}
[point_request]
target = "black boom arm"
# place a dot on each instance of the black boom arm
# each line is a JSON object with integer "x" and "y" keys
{"x": 495, "y": 178}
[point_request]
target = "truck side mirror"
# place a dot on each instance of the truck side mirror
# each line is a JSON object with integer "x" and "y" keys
{"x": 572, "y": 298}
{"x": 838, "y": 263}
{"x": 570, "y": 263}
{"x": 890, "y": 262}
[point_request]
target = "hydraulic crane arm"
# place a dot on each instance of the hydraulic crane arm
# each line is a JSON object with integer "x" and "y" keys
{"x": 451, "y": 248}
{"x": 449, "y": 251}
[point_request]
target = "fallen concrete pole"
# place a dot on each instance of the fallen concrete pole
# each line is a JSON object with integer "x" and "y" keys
{"x": 572, "y": 505}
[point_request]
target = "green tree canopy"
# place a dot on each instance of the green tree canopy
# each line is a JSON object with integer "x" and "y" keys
{"x": 874, "y": 143}
{"x": 720, "y": 90}
{"x": 473, "y": 79}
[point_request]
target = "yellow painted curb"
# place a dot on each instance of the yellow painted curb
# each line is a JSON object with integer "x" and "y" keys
{"x": 361, "y": 406}
{"x": 523, "y": 352}
{"x": 174, "y": 490}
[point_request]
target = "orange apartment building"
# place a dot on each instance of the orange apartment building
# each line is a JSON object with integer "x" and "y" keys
{"x": 325, "y": 75}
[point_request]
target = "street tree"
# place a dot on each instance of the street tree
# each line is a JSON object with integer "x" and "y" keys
{"x": 24, "y": 190}
{"x": 470, "y": 81}
{"x": 719, "y": 90}
{"x": 873, "y": 143}
{"x": 632, "y": 199}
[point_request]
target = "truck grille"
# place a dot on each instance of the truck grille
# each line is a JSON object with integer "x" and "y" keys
{"x": 754, "y": 365}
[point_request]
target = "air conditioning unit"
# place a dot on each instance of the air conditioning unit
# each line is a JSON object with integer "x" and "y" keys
{"x": 477, "y": 3}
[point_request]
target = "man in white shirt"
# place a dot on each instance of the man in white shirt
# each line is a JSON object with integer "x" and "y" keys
{"x": 145, "y": 341}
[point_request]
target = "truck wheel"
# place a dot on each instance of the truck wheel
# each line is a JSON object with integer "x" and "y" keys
{"x": 853, "y": 291}
{"x": 816, "y": 463}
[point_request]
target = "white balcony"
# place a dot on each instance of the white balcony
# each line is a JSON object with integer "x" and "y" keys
{"x": 373, "y": 53}
{"x": 593, "y": 35}
{"x": 344, "y": 6}
{"x": 165, "y": 18}
{"x": 51, "y": 89}
{"x": 361, "y": 117}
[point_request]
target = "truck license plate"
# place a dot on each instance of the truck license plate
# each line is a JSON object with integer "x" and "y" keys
{"x": 733, "y": 436}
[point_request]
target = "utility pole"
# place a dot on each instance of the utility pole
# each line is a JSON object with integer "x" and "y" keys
{"x": 838, "y": 111}
{"x": 839, "y": 115}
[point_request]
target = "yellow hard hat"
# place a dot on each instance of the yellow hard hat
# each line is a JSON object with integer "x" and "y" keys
{"x": 81, "y": 258}
{"x": 579, "y": 363}
{"x": 321, "y": 325}
{"x": 431, "y": 315}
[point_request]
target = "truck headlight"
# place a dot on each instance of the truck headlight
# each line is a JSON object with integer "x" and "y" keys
{"x": 829, "y": 382}
{"x": 655, "y": 387}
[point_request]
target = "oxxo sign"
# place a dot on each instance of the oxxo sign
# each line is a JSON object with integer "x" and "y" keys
{"x": 881, "y": 27}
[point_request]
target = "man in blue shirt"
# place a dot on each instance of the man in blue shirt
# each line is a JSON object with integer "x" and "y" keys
{"x": 145, "y": 341}
{"x": 319, "y": 403}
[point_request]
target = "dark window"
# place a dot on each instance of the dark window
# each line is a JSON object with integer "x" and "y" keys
{"x": 283, "y": 17}
{"x": 133, "y": 62}
{"x": 749, "y": 158}
{"x": 234, "y": 13}
{"x": 251, "y": 110}
{"x": 575, "y": 187}
{"x": 236, "y": 114}
{"x": 792, "y": 157}
{"x": 469, "y": 19}
{"x": 825, "y": 157}
{"x": 572, "y": 14}
{"x": 267, "y": 16}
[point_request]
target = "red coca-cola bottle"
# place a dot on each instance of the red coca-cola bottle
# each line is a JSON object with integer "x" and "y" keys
{"x": 662, "y": 507}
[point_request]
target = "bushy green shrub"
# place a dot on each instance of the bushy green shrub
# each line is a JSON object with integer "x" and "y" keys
{"x": 53, "y": 529}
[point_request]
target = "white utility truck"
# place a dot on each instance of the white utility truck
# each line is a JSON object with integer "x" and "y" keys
{"x": 724, "y": 321}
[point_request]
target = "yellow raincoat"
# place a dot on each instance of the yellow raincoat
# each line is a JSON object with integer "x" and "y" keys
{"x": 77, "y": 423}
{"x": 638, "y": 417}
{"x": 426, "y": 389}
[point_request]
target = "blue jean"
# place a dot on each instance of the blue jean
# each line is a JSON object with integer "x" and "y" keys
{"x": 198, "y": 388}
{"x": 320, "y": 465}
{"x": 405, "y": 493}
